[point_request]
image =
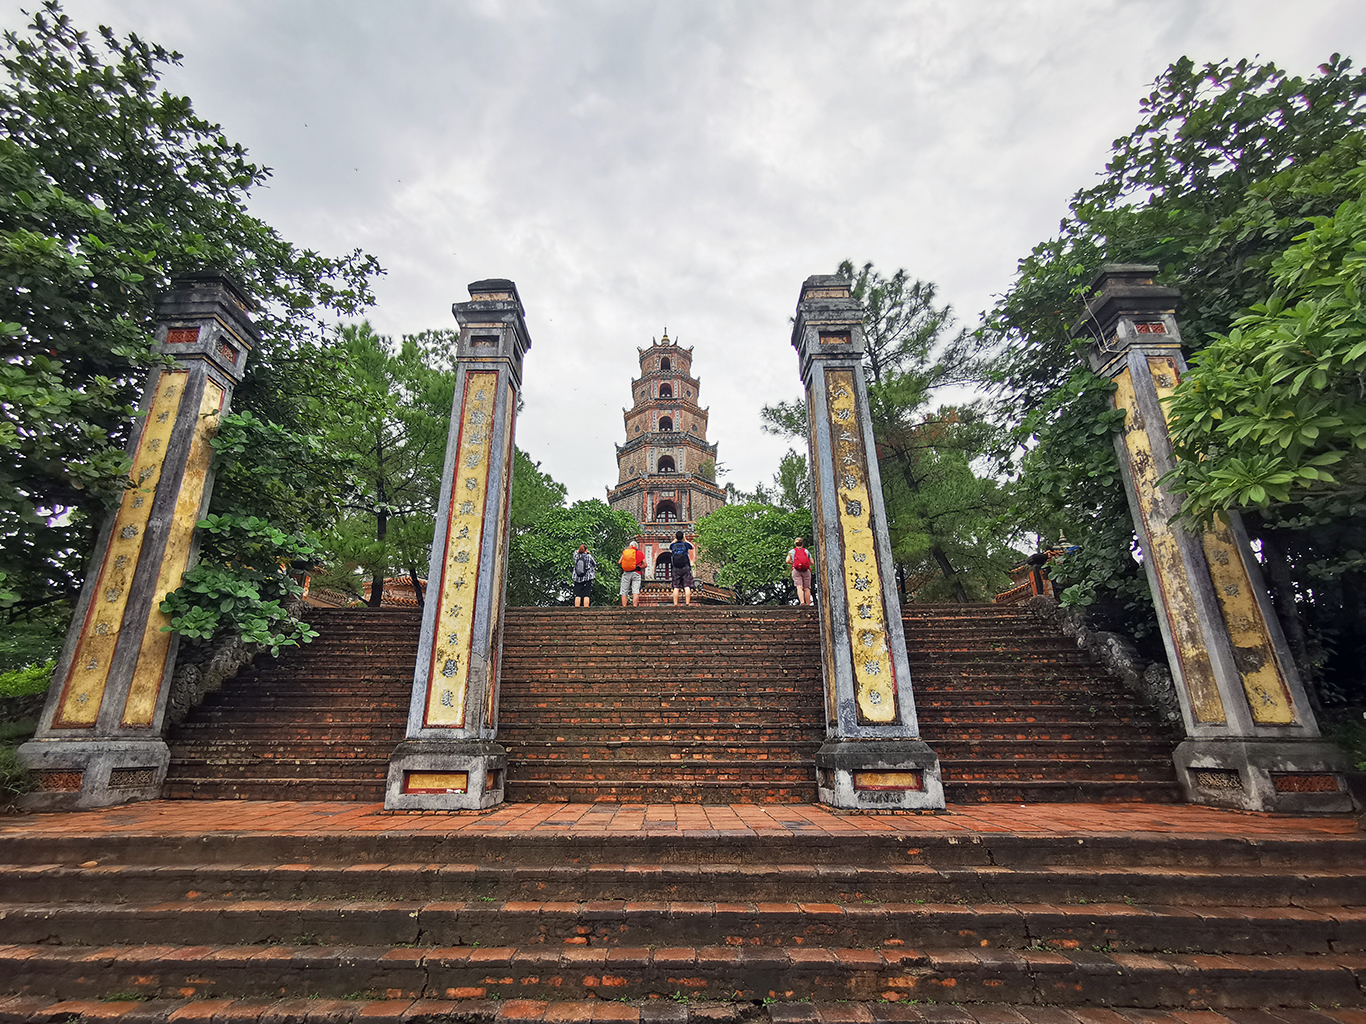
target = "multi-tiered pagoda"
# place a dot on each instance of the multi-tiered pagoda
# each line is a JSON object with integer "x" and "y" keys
{"x": 666, "y": 469}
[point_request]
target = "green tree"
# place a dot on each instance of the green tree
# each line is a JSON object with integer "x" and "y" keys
{"x": 748, "y": 543}
{"x": 392, "y": 433}
{"x": 110, "y": 185}
{"x": 540, "y": 557}
{"x": 1228, "y": 164}
{"x": 934, "y": 498}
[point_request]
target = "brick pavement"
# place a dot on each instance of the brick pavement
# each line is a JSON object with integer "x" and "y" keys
{"x": 178, "y": 817}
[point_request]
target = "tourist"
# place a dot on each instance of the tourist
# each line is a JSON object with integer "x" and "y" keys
{"x": 632, "y": 574}
{"x": 585, "y": 571}
{"x": 800, "y": 560}
{"x": 680, "y": 561}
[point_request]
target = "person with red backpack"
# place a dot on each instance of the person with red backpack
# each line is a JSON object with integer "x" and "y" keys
{"x": 632, "y": 573}
{"x": 800, "y": 560}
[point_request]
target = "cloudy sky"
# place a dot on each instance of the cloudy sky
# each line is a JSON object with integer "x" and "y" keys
{"x": 637, "y": 165}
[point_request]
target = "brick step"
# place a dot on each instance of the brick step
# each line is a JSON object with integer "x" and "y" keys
{"x": 620, "y": 923}
{"x": 294, "y": 730}
{"x": 663, "y": 750}
{"x": 575, "y": 770}
{"x": 357, "y": 769}
{"x": 658, "y": 714}
{"x": 591, "y": 879}
{"x": 1029, "y": 770}
{"x": 544, "y": 971}
{"x": 328, "y": 787}
{"x": 1001, "y": 790}
{"x": 619, "y": 790}
{"x": 326, "y": 714}
{"x": 643, "y": 732}
{"x": 678, "y": 1008}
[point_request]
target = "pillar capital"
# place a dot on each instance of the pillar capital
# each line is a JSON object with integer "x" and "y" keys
{"x": 493, "y": 325}
{"x": 206, "y": 315}
{"x": 1126, "y": 309}
{"x": 828, "y": 326}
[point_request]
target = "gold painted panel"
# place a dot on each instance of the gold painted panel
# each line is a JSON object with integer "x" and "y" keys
{"x": 874, "y": 673}
{"x": 449, "y": 672}
{"x": 88, "y": 675}
{"x": 1207, "y": 707}
{"x": 436, "y": 782}
{"x": 889, "y": 780}
{"x": 1254, "y": 655}
{"x": 140, "y": 707}
{"x": 1268, "y": 694}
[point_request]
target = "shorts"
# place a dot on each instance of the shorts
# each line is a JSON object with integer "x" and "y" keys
{"x": 801, "y": 578}
{"x": 630, "y": 583}
{"x": 583, "y": 588}
{"x": 683, "y": 578}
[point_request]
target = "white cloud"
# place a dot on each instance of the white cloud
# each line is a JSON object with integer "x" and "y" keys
{"x": 633, "y": 165}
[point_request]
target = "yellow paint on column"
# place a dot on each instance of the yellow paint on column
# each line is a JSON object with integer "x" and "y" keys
{"x": 139, "y": 709}
{"x": 449, "y": 671}
{"x": 874, "y": 675}
{"x": 1264, "y": 685}
{"x": 1207, "y": 707}
{"x": 88, "y": 674}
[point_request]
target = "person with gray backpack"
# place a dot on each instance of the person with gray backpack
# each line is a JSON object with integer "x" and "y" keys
{"x": 585, "y": 571}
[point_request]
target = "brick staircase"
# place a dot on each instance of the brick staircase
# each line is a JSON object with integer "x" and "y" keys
{"x": 386, "y": 924}
{"x": 699, "y": 705}
{"x": 1018, "y": 713}
{"x": 658, "y": 705}
{"x": 318, "y": 723}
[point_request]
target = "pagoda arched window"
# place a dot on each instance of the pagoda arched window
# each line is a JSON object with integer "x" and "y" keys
{"x": 665, "y": 391}
{"x": 666, "y": 512}
{"x": 665, "y": 423}
{"x": 666, "y": 464}
{"x": 664, "y": 364}
{"x": 664, "y": 569}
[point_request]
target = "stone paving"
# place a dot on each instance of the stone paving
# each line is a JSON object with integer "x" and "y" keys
{"x": 170, "y": 818}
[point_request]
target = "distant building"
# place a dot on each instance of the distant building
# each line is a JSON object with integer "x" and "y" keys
{"x": 666, "y": 470}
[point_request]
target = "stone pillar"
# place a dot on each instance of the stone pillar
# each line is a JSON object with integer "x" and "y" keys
{"x": 99, "y": 741}
{"x": 450, "y": 759}
{"x": 873, "y": 757}
{"x": 1252, "y": 742}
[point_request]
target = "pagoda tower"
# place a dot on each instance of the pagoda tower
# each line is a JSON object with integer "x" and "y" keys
{"x": 666, "y": 470}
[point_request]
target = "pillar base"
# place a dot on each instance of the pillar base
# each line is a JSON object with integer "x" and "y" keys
{"x": 1281, "y": 775}
{"x": 445, "y": 775}
{"x": 84, "y": 774}
{"x": 879, "y": 775}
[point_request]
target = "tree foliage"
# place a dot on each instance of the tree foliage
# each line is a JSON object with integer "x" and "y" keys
{"x": 541, "y": 557}
{"x": 748, "y": 543}
{"x": 1229, "y": 163}
{"x": 108, "y": 186}
{"x": 1275, "y": 410}
{"x": 948, "y": 530}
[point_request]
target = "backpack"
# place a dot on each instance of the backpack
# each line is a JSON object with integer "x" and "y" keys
{"x": 628, "y": 559}
{"x": 581, "y": 564}
{"x": 678, "y": 551}
{"x": 801, "y": 559}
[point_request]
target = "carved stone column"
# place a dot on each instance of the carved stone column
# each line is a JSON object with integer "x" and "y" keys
{"x": 873, "y": 757}
{"x": 1252, "y": 740}
{"x": 99, "y": 741}
{"x": 450, "y": 759}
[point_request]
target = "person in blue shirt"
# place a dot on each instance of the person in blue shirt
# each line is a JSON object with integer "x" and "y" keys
{"x": 680, "y": 561}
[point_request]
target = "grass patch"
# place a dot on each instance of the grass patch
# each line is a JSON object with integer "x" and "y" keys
{"x": 1347, "y": 728}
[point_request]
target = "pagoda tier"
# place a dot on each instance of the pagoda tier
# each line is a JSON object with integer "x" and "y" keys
{"x": 666, "y": 470}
